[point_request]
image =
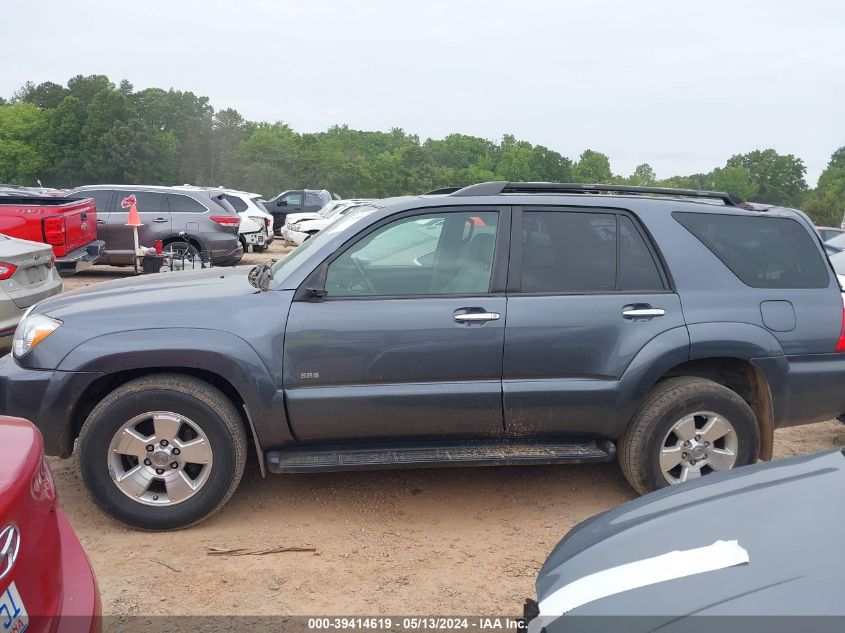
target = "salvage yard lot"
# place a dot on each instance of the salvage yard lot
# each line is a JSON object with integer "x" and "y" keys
{"x": 457, "y": 541}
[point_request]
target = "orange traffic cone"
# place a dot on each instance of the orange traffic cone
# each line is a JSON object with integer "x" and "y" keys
{"x": 134, "y": 218}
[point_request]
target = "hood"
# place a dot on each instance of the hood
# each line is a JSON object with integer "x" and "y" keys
{"x": 293, "y": 218}
{"x": 162, "y": 296}
{"x": 787, "y": 515}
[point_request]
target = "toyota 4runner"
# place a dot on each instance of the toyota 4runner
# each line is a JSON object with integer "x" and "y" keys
{"x": 503, "y": 323}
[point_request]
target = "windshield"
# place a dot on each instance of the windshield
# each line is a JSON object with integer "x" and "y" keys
{"x": 284, "y": 267}
{"x": 336, "y": 208}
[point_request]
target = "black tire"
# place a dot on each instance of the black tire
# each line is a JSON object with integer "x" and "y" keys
{"x": 258, "y": 248}
{"x": 195, "y": 399}
{"x": 668, "y": 402}
{"x": 182, "y": 249}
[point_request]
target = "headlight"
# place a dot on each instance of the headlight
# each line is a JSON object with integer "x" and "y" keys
{"x": 294, "y": 227}
{"x": 31, "y": 331}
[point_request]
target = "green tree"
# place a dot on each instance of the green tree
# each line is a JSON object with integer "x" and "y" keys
{"x": 45, "y": 95}
{"x": 592, "y": 167}
{"x": 643, "y": 176}
{"x": 734, "y": 180}
{"x": 779, "y": 178}
{"x": 826, "y": 203}
{"x": 268, "y": 158}
{"x": 22, "y": 156}
{"x": 86, "y": 88}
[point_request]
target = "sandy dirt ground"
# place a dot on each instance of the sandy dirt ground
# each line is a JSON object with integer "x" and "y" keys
{"x": 424, "y": 542}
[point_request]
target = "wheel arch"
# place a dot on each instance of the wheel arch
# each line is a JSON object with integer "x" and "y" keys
{"x": 191, "y": 239}
{"x": 744, "y": 378}
{"x": 218, "y": 358}
{"x": 104, "y": 385}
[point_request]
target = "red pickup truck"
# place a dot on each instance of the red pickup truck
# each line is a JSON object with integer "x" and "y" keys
{"x": 69, "y": 225}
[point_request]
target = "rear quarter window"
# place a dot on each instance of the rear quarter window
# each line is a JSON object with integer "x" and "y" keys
{"x": 764, "y": 252}
{"x": 237, "y": 203}
{"x": 180, "y": 203}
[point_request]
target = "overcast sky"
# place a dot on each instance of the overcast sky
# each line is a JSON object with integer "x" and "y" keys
{"x": 677, "y": 84}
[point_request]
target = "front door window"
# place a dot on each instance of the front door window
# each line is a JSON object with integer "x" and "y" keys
{"x": 428, "y": 255}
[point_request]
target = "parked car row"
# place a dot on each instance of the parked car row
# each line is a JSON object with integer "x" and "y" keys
{"x": 296, "y": 201}
{"x": 301, "y": 226}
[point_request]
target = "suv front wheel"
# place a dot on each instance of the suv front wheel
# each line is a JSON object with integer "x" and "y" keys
{"x": 162, "y": 452}
{"x": 686, "y": 428}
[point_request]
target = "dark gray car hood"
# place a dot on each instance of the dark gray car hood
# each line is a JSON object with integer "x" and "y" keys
{"x": 166, "y": 289}
{"x": 787, "y": 514}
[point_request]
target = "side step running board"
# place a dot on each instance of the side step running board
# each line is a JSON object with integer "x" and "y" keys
{"x": 300, "y": 459}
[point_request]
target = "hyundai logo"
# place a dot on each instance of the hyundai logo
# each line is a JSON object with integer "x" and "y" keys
{"x": 10, "y": 543}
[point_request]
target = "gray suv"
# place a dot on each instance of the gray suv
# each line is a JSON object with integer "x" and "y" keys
{"x": 504, "y": 323}
{"x": 188, "y": 220}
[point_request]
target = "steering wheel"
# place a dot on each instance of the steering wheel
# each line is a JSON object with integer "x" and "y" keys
{"x": 357, "y": 263}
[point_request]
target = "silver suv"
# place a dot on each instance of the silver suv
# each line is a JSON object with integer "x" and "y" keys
{"x": 189, "y": 220}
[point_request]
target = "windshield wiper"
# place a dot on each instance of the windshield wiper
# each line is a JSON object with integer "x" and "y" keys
{"x": 261, "y": 275}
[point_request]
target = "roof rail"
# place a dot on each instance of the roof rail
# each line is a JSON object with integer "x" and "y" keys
{"x": 498, "y": 187}
{"x": 442, "y": 191}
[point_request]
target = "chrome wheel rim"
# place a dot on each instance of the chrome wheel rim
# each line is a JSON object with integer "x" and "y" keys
{"x": 698, "y": 444}
{"x": 160, "y": 458}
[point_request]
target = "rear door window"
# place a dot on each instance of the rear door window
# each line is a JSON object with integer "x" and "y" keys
{"x": 102, "y": 198}
{"x": 565, "y": 251}
{"x": 568, "y": 252}
{"x": 180, "y": 203}
{"x": 637, "y": 267}
{"x": 238, "y": 204}
{"x": 764, "y": 252}
{"x": 145, "y": 201}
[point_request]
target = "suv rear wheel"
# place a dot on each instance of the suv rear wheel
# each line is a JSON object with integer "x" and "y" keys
{"x": 162, "y": 452}
{"x": 686, "y": 428}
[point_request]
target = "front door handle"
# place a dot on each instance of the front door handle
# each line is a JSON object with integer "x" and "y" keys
{"x": 476, "y": 317}
{"x": 160, "y": 220}
{"x": 644, "y": 312}
{"x": 101, "y": 221}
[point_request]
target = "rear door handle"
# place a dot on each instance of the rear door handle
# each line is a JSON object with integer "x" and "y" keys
{"x": 101, "y": 221}
{"x": 476, "y": 317}
{"x": 644, "y": 312}
{"x": 160, "y": 220}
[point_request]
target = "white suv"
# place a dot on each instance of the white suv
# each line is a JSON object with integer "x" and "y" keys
{"x": 256, "y": 228}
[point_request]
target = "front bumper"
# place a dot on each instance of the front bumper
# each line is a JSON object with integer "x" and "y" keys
{"x": 81, "y": 258}
{"x": 294, "y": 238}
{"x": 46, "y": 397}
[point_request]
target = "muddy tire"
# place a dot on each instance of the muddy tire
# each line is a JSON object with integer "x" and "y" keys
{"x": 162, "y": 452}
{"x": 686, "y": 428}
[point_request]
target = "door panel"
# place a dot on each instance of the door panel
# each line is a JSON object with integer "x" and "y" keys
{"x": 393, "y": 368}
{"x": 155, "y": 217}
{"x": 564, "y": 356}
{"x": 587, "y": 296}
{"x": 408, "y": 341}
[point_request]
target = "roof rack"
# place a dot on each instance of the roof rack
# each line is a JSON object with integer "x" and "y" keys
{"x": 442, "y": 191}
{"x": 498, "y": 187}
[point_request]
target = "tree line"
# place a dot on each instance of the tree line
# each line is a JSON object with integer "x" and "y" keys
{"x": 92, "y": 130}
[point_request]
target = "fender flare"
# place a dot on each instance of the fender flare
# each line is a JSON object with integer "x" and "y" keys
{"x": 213, "y": 351}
